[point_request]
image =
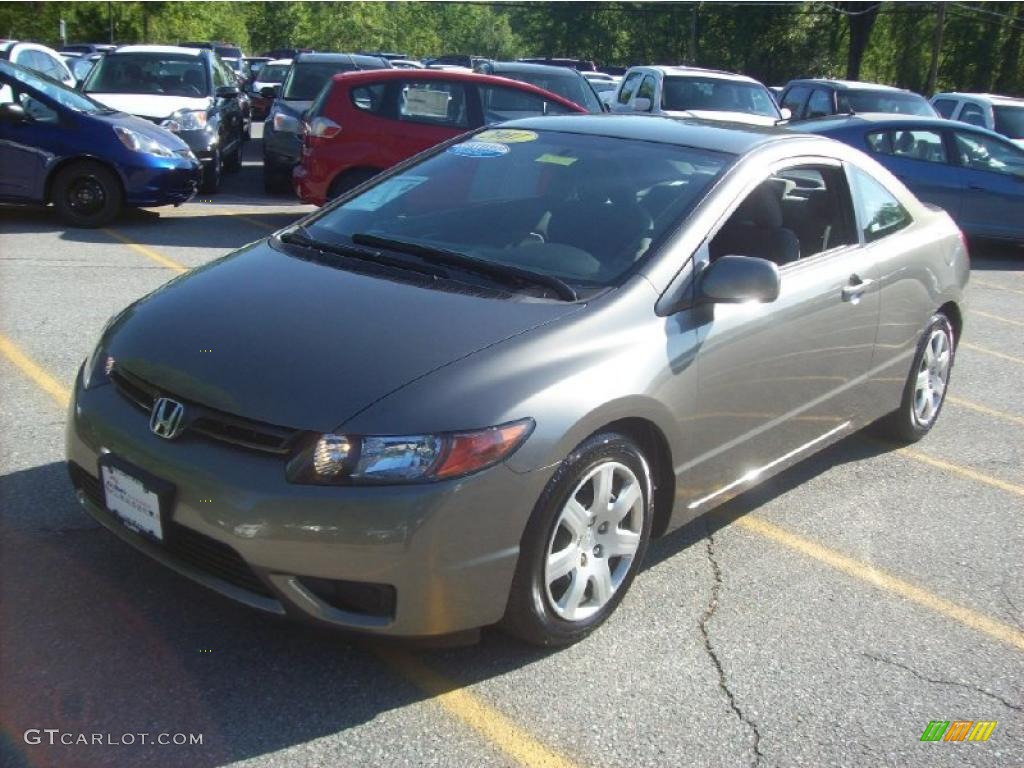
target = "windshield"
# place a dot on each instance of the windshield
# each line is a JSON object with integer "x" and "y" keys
{"x": 305, "y": 79}
{"x": 228, "y": 52}
{"x": 717, "y": 95}
{"x": 569, "y": 86}
{"x": 883, "y": 101}
{"x": 273, "y": 73}
{"x": 158, "y": 74}
{"x": 61, "y": 94}
{"x": 584, "y": 209}
{"x": 1010, "y": 121}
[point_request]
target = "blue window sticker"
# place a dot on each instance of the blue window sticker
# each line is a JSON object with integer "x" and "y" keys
{"x": 479, "y": 149}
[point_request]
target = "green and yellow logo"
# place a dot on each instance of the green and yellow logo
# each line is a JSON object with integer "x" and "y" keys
{"x": 958, "y": 730}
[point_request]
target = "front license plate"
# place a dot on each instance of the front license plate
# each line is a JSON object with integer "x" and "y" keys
{"x": 135, "y": 505}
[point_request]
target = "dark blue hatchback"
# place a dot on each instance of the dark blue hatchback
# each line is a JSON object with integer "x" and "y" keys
{"x": 59, "y": 146}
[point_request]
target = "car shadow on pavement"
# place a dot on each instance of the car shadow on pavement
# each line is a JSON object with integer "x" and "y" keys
{"x": 995, "y": 256}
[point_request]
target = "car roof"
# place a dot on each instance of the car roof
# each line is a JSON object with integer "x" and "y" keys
{"x": 718, "y": 136}
{"x": 525, "y": 66}
{"x": 684, "y": 71}
{"x": 282, "y": 62}
{"x": 376, "y": 75}
{"x": 993, "y": 98}
{"x": 351, "y": 57}
{"x": 847, "y": 85}
{"x": 175, "y": 49}
{"x": 887, "y": 120}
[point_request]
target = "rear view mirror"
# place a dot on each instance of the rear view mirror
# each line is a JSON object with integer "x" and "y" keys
{"x": 227, "y": 92}
{"x": 641, "y": 104}
{"x": 787, "y": 113}
{"x": 735, "y": 279}
{"x": 12, "y": 113}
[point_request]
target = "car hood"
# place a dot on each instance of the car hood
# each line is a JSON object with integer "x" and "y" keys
{"x": 292, "y": 106}
{"x": 274, "y": 338}
{"x": 146, "y": 128}
{"x": 731, "y": 117}
{"x": 147, "y": 105}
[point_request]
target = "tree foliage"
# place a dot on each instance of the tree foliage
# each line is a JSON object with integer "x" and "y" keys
{"x": 886, "y": 41}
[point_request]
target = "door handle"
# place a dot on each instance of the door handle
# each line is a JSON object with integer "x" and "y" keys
{"x": 855, "y": 289}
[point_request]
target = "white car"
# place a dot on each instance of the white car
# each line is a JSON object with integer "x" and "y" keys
{"x": 694, "y": 92}
{"x": 1002, "y": 114}
{"x": 38, "y": 58}
{"x": 272, "y": 73}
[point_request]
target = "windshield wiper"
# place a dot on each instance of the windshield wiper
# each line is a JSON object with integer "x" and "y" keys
{"x": 296, "y": 237}
{"x": 502, "y": 272}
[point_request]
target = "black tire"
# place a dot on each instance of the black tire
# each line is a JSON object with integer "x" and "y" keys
{"x": 233, "y": 162}
{"x": 530, "y": 614}
{"x": 904, "y": 424}
{"x": 274, "y": 180}
{"x": 87, "y": 194}
{"x": 349, "y": 180}
{"x": 212, "y": 173}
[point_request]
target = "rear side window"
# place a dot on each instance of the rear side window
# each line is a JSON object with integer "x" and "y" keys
{"x": 820, "y": 103}
{"x": 795, "y": 98}
{"x": 440, "y": 103}
{"x": 881, "y": 213}
{"x": 500, "y": 103}
{"x": 628, "y": 86}
{"x": 369, "y": 98}
{"x": 972, "y": 115}
{"x": 944, "y": 107}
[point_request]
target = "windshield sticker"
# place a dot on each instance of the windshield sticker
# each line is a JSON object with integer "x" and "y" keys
{"x": 506, "y": 136}
{"x": 479, "y": 149}
{"x": 385, "y": 192}
{"x": 556, "y": 159}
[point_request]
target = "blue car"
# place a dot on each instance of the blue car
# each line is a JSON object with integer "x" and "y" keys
{"x": 976, "y": 175}
{"x": 59, "y": 146}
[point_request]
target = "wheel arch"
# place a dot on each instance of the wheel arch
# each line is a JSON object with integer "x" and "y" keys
{"x": 952, "y": 310}
{"x": 352, "y": 171}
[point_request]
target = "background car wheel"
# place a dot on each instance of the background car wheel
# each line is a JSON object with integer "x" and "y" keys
{"x": 349, "y": 180}
{"x": 87, "y": 194}
{"x": 583, "y": 544}
{"x": 925, "y": 390}
{"x": 212, "y": 173}
{"x": 233, "y": 162}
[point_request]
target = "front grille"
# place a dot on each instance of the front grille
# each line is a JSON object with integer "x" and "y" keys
{"x": 184, "y": 544}
{"x": 211, "y": 423}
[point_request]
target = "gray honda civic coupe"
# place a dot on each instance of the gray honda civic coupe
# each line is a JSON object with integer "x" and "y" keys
{"x": 472, "y": 390}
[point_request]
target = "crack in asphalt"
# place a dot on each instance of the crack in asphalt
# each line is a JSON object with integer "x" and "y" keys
{"x": 723, "y": 684}
{"x": 940, "y": 681}
{"x": 1017, "y": 612}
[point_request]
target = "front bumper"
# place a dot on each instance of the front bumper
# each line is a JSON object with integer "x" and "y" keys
{"x": 308, "y": 187}
{"x": 161, "y": 182}
{"x": 448, "y": 550}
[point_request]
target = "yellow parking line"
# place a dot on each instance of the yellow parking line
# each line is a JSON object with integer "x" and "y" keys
{"x": 994, "y": 353}
{"x": 45, "y": 381}
{"x": 1000, "y": 318}
{"x": 493, "y": 726}
{"x": 879, "y": 578}
{"x": 957, "y": 469}
{"x": 985, "y": 409}
{"x": 149, "y": 253}
{"x": 251, "y": 220}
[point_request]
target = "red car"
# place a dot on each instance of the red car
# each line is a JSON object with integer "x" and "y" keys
{"x": 365, "y": 122}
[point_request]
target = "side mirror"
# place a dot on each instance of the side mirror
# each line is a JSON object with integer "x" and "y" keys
{"x": 641, "y": 104}
{"x": 13, "y": 113}
{"x": 269, "y": 91}
{"x": 787, "y": 113}
{"x": 735, "y": 279}
{"x": 227, "y": 92}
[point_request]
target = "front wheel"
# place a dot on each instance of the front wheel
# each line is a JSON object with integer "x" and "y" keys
{"x": 925, "y": 389}
{"x": 583, "y": 544}
{"x": 87, "y": 194}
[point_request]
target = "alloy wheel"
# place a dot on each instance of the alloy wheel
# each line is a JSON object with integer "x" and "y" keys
{"x": 932, "y": 377}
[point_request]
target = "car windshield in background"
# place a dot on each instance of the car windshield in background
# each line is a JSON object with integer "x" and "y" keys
{"x": 582, "y": 209}
{"x": 1010, "y": 121}
{"x": 273, "y": 73}
{"x": 883, "y": 101}
{"x": 305, "y": 80}
{"x": 228, "y": 52}
{"x": 157, "y": 74}
{"x": 569, "y": 86}
{"x": 60, "y": 93}
{"x": 717, "y": 95}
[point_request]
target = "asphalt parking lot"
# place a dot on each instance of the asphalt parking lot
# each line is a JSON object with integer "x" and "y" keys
{"x": 824, "y": 618}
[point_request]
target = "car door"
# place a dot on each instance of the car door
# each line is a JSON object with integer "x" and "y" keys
{"x": 29, "y": 147}
{"x": 993, "y": 177}
{"x": 627, "y": 89}
{"x": 429, "y": 112}
{"x": 776, "y": 379}
{"x": 794, "y": 98}
{"x": 920, "y": 157}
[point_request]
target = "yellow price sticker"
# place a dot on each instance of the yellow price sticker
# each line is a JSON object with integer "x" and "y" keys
{"x": 506, "y": 136}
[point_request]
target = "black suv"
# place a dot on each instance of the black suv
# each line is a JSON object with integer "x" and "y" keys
{"x": 185, "y": 90}
{"x": 810, "y": 98}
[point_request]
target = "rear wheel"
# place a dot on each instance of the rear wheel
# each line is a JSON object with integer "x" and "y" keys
{"x": 584, "y": 543}
{"x": 925, "y": 389}
{"x": 87, "y": 194}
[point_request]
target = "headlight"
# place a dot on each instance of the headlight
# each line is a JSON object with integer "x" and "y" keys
{"x": 137, "y": 142}
{"x": 186, "y": 120}
{"x": 343, "y": 459}
{"x": 285, "y": 123}
{"x": 98, "y": 365}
